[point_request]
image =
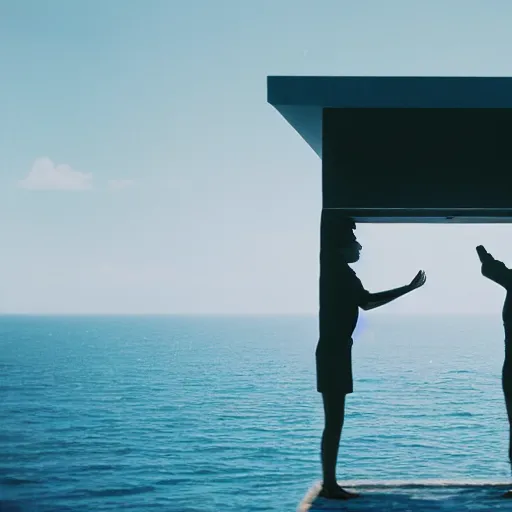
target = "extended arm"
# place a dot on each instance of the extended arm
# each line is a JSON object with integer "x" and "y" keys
{"x": 493, "y": 269}
{"x": 375, "y": 300}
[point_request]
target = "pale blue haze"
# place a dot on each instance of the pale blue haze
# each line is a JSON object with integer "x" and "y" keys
{"x": 222, "y": 215}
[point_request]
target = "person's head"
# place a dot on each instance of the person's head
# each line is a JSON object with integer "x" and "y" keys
{"x": 338, "y": 239}
{"x": 351, "y": 251}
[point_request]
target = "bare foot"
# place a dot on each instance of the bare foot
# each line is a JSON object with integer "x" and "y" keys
{"x": 337, "y": 493}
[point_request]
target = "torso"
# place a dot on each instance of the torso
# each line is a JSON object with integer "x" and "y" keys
{"x": 496, "y": 271}
{"x": 341, "y": 294}
{"x": 507, "y": 324}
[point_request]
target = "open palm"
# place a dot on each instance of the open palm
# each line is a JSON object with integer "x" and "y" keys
{"x": 419, "y": 280}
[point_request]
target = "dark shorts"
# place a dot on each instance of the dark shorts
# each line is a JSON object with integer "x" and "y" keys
{"x": 334, "y": 367}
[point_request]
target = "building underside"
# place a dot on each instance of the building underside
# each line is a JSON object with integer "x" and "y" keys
{"x": 406, "y": 149}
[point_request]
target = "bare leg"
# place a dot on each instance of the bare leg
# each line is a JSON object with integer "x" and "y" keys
{"x": 508, "y": 403}
{"x": 334, "y": 409}
{"x": 506, "y": 381}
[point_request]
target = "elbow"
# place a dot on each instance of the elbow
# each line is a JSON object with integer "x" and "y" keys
{"x": 367, "y": 302}
{"x": 367, "y": 305}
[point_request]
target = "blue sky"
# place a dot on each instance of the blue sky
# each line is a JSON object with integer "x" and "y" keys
{"x": 197, "y": 196}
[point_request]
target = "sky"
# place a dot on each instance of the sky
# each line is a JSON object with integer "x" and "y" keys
{"x": 143, "y": 171}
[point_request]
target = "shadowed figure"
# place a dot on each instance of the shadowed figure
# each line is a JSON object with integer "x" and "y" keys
{"x": 341, "y": 296}
{"x": 497, "y": 271}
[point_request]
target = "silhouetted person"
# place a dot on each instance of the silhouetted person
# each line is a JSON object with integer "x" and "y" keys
{"x": 499, "y": 273}
{"x": 341, "y": 296}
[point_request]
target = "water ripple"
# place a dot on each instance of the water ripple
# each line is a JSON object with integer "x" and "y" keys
{"x": 211, "y": 414}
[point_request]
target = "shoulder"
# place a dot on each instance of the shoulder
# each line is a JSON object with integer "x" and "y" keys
{"x": 352, "y": 280}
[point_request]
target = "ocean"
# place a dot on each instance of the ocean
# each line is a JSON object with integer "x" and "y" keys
{"x": 200, "y": 414}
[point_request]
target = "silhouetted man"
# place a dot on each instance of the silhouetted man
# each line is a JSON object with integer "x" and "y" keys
{"x": 341, "y": 296}
{"x": 499, "y": 273}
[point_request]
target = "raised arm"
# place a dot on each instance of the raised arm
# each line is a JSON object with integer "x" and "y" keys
{"x": 375, "y": 300}
{"x": 493, "y": 269}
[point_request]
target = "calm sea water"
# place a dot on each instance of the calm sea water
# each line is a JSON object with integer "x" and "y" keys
{"x": 221, "y": 414}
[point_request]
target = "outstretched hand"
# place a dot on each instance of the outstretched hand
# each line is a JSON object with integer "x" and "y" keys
{"x": 418, "y": 281}
{"x": 483, "y": 254}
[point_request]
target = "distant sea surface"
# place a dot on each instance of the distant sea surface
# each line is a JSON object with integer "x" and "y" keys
{"x": 200, "y": 414}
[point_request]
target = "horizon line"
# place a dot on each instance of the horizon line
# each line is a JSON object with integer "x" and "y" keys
{"x": 247, "y": 314}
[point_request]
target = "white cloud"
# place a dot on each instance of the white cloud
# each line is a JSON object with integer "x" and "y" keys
{"x": 119, "y": 184}
{"x": 45, "y": 175}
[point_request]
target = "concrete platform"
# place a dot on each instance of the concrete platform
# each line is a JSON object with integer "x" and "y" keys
{"x": 415, "y": 496}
